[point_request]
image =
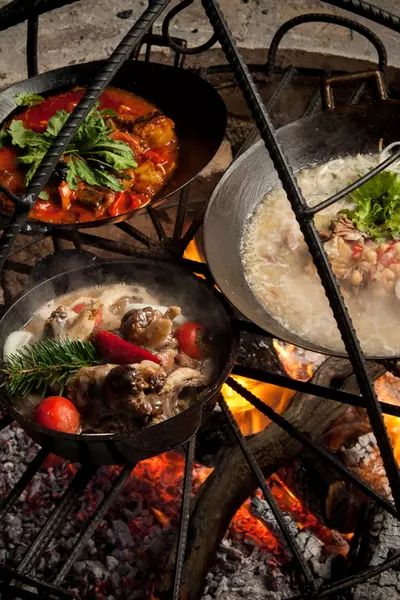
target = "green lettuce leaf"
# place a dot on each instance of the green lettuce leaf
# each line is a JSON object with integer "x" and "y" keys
{"x": 28, "y": 99}
{"x": 377, "y": 206}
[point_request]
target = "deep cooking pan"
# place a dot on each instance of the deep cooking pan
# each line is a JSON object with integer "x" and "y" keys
{"x": 190, "y": 101}
{"x": 306, "y": 143}
{"x": 173, "y": 285}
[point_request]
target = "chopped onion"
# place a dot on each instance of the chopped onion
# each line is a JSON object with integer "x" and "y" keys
{"x": 15, "y": 341}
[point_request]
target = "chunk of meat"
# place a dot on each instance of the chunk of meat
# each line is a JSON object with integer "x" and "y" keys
{"x": 181, "y": 378}
{"x": 86, "y": 387}
{"x": 56, "y": 325}
{"x": 148, "y": 327}
{"x": 135, "y": 388}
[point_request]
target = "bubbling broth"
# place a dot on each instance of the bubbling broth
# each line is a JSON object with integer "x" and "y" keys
{"x": 282, "y": 276}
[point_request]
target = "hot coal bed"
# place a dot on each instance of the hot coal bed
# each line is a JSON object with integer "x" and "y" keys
{"x": 288, "y": 490}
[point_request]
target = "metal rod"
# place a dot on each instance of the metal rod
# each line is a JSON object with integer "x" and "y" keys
{"x": 353, "y": 580}
{"x": 185, "y": 514}
{"x": 181, "y": 213}
{"x": 312, "y": 210}
{"x": 18, "y": 11}
{"x": 331, "y": 19}
{"x": 93, "y": 523}
{"x": 22, "y": 482}
{"x": 193, "y": 227}
{"x": 313, "y": 241}
{"x": 135, "y": 233}
{"x": 32, "y": 46}
{"x": 369, "y": 11}
{"x": 56, "y": 519}
{"x": 308, "y": 443}
{"x": 307, "y": 387}
{"x": 45, "y": 588}
{"x": 287, "y": 534}
{"x": 156, "y": 223}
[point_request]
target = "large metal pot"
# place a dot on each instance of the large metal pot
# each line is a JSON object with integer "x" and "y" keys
{"x": 307, "y": 142}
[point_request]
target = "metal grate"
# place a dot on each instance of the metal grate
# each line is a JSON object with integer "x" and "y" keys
{"x": 18, "y": 582}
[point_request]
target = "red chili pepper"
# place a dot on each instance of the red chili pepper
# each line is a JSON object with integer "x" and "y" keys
{"x": 119, "y": 351}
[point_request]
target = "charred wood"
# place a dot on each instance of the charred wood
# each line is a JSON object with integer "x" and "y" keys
{"x": 231, "y": 482}
{"x": 378, "y": 534}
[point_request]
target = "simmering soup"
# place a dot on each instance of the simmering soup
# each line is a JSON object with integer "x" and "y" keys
{"x": 361, "y": 236}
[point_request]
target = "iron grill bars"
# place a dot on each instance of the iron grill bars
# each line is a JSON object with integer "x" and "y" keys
{"x": 306, "y": 583}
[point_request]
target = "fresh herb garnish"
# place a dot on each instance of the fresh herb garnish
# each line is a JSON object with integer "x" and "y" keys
{"x": 377, "y": 206}
{"x": 92, "y": 157}
{"x": 28, "y": 99}
{"x": 46, "y": 365}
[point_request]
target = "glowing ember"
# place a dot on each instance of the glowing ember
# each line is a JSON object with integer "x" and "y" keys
{"x": 388, "y": 389}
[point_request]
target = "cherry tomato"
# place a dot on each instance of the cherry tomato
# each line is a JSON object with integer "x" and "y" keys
{"x": 193, "y": 339}
{"x": 57, "y": 412}
{"x": 357, "y": 250}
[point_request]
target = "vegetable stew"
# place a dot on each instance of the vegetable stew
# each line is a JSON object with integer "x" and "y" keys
{"x": 120, "y": 158}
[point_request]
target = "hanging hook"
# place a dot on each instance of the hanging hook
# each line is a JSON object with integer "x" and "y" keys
{"x": 165, "y": 31}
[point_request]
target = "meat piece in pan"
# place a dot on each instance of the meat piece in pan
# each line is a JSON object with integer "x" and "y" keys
{"x": 148, "y": 327}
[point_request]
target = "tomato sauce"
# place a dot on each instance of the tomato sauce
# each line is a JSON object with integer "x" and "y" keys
{"x": 137, "y": 122}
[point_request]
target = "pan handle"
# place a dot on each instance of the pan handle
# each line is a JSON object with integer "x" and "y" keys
{"x": 328, "y": 83}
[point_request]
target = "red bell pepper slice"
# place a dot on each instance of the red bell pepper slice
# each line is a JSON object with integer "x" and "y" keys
{"x": 116, "y": 350}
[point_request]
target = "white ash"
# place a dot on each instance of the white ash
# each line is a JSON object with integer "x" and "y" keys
{"x": 310, "y": 546}
{"x": 245, "y": 572}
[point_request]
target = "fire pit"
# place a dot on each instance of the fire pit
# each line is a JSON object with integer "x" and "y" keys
{"x": 290, "y": 487}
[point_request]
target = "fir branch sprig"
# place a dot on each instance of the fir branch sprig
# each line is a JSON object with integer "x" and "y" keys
{"x": 48, "y": 364}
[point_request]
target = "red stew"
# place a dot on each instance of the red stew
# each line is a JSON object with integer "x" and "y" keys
{"x": 134, "y": 121}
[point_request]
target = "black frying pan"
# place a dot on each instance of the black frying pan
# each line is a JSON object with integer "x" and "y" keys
{"x": 191, "y": 102}
{"x": 307, "y": 142}
{"x": 198, "y": 301}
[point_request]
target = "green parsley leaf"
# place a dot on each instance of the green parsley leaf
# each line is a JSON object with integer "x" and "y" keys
{"x": 56, "y": 123}
{"x": 43, "y": 195}
{"x": 107, "y": 180}
{"x": 28, "y": 99}
{"x": 377, "y": 206}
{"x": 25, "y": 138}
{"x": 93, "y": 157}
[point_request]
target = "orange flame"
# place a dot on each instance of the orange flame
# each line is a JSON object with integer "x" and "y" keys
{"x": 248, "y": 418}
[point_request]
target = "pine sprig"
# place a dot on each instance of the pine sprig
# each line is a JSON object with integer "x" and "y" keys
{"x": 48, "y": 364}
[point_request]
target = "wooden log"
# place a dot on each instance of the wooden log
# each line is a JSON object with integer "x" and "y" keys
{"x": 231, "y": 482}
{"x": 378, "y": 534}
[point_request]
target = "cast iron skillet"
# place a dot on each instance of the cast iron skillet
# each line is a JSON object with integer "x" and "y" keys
{"x": 306, "y": 143}
{"x": 174, "y": 286}
{"x": 191, "y": 102}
